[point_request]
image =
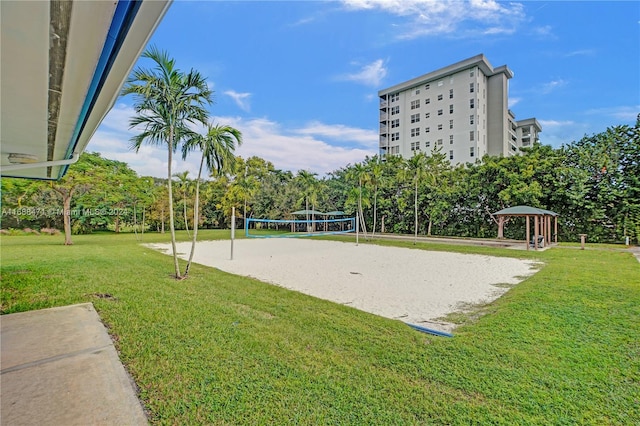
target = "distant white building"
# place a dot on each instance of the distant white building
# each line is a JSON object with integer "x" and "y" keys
{"x": 461, "y": 108}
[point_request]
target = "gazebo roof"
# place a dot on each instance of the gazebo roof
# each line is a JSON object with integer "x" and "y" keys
{"x": 309, "y": 212}
{"x": 524, "y": 211}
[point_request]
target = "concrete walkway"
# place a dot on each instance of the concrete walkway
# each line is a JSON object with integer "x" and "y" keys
{"x": 59, "y": 367}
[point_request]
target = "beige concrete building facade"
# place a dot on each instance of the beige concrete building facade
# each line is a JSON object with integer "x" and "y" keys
{"x": 461, "y": 109}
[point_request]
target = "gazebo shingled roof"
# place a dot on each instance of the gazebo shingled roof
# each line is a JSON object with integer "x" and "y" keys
{"x": 541, "y": 220}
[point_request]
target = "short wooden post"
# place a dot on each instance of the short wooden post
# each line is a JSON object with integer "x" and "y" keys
{"x": 528, "y": 233}
{"x": 583, "y": 238}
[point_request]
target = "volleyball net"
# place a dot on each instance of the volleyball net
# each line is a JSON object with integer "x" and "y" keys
{"x": 283, "y": 228}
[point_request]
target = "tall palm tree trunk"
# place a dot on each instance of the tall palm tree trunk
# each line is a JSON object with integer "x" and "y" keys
{"x": 362, "y": 222}
{"x": 172, "y": 226}
{"x": 184, "y": 208}
{"x": 375, "y": 211}
{"x": 415, "y": 203}
{"x": 196, "y": 218}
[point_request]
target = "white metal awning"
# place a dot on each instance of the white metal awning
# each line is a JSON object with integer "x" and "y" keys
{"x": 62, "y": 66}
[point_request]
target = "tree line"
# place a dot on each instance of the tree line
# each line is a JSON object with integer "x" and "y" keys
{"x": 593, "y": 184}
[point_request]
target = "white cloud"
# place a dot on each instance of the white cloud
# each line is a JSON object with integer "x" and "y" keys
{"x": 623, "y": 113}
{"x": 341, "y": 133}
{"x": 555, "y": 123}
{"x": 452, "y": 17}
{"x": 318, "y": 147}
{"x": 370, "y": 74}
{"x": 241, "y": 99}
{"x": 514, "y": 101}
{"x": 581, "y": 52}
{"x": 303, "y": 148}
{"x": 544, "y": 31}
{"x": 552, "y": 85}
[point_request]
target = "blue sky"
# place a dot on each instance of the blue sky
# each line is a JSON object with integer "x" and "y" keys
{"x": 300, "y": 78}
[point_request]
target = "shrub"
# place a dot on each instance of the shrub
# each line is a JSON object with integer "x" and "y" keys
{"x": 50, "y": 231}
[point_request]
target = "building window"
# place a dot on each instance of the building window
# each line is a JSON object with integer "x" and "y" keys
{"x": 471, "y": 87}
{"x": 415, "y": 118}
{"x": 427, "y": 86}
{"x": 451, "y": 80}
{"x": 472, "y": 151}
{"x": 451, "y": 155}
{"x": 395, "y": 136}
{"x": 440, "y": 97}
{"x": 415, "y": 146}
{"x": 395, "y": 123}
{"x": 471, "y": 135}
{"x": 472, "y": 103}
{"x": 440, "y": 83}
{"x": 439, "y": 112}
{"x": 451, "y": 109}
{"x": 471, "y": 72}
{"x": 450, "y": 93}
{"x": 427, "y": 144}
{"x": 471, "y": 121}
{"x": 415, "y": 132}
{"x": 451, "y": 124}
{"x": 427, "y": 101}
{"x": 415, "y": 104}
{"x": 439, "y": 126}
{"x": 426, "y": 129}
{"x": 427, "y": 115}
{"x": 395, "y": 110}
{"x": 450, "y": 139}
{"x": 439, "y": 141}
{"x": 417, "y": 91}
{"x": 394, "y": 97}
{"x": 394, "y": 149}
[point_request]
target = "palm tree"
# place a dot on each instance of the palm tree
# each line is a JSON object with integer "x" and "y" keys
{"x": 166, "y": 101}
{"x": 376, "y": 179}
{"x": 359, "y": 172}
{"x": 309, "y": 189}
{"x": 416, "y": 170}
{"x": 184, "y": 183}
{"x": 217, "y": 147}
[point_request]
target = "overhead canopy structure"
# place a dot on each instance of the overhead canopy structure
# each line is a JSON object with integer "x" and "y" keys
{"x": 541, "y": 223}
{"x": 63, "y": 65}
{"x": 317, "y": 213}
{"x": 311, "y": 212}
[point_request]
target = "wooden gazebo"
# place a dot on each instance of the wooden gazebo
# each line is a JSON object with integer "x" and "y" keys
{"x": 541, "y": 223}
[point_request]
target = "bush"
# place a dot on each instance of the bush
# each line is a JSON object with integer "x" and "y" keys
{"x": 50, "y": 231}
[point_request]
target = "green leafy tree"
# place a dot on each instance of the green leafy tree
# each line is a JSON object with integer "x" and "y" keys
{"x": 166, "y": 101}
{"x": 359, "y": 174}
{"x": 217, "y": 147}
{"x": 376, "y": 178}
{"x": 184, "y": 184}
{"x": 308, "y": 189}
{"x": 414, "y": 172}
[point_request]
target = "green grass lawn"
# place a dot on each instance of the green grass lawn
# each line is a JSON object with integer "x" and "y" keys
{"x": 563, "y": 347}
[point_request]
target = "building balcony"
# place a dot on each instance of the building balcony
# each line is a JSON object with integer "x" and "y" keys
{"x": 383, "y": 129}
{"x": 383, "y": 103}
{"x": 384, "y": 116}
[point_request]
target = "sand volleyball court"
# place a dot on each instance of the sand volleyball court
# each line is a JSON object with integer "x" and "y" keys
{"x": 414, "y": 286}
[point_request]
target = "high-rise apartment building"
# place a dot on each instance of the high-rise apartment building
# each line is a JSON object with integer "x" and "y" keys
{"x": 461, "y": 109}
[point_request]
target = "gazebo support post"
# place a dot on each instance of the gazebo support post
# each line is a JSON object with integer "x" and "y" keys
{"x": 535, "y": 232}
{"x": 555, "y": 219}
{"x": 528, "y": 233}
